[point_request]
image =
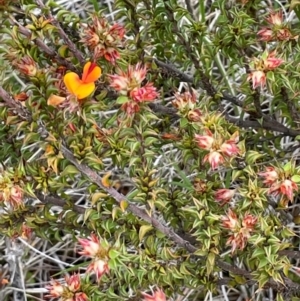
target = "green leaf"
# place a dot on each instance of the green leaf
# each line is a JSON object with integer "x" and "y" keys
{"x": 296, "y": 178}
{"x": 69, "y": 170}
{"x": 143, "y": 231}
{"x": 113, "y": 253}
{"x": 122, "y": 99}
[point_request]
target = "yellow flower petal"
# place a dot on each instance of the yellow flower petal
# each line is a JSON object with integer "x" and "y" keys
{"x": 55, "y": 100}
{"x": 84, "y": 90}
{"x": 91, "y": 72}
{"x": 72, "y": 82}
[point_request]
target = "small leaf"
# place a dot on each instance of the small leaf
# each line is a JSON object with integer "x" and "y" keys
{"x": 122, "y": 99}
{"x": 113, "y": 253}
{"x": 123, "y": 205}
{"x": 296, "y": 178}
{"x": 143, "y": 230}
{"x": 105, "y": 180}
{"x": 69, "y": 170}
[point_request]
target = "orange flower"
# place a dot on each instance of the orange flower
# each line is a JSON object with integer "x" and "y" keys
{"x": 84, "y": 86}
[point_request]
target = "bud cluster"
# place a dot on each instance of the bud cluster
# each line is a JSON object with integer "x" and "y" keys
{"x": 70, "y": 291}
{"x": 277, "y": 29}
{"x": 240, "y": 229}
{"x": 260, "y": 67}
{"x": 279, "y": 182}
{"x": 185, "y": 103}
{"x": 103, "y": 39}
{"x": 129, "y": 84}
{"x": 219, "y": 149}
{"x": 95, "y": 249}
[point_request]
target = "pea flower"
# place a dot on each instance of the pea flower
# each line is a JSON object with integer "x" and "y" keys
{"x": 260, "y": 67}
{"x": 84, "y": 86}
{"x": 258, "y": 78}
{"x": 270, "y": 175}
{"x": 285, "y": 188}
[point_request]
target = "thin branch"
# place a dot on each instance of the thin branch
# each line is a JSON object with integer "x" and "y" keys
{"x": 18, "y": 109}
{"x": 189, "y": 79}
{"x": 57, "y": 201}
{"x": 266, "y": 124}
{"x": 257, "y": 104}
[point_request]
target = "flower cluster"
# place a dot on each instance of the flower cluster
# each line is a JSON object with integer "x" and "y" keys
{"x": 218, "y": 149}
{"x": 260, "y": 67}
{"x": 185, "y": 103}
{"x": 129, "y": 84}
{"x": 159, "y": 295}
{"x": 95, "y": 249}
{"x": 240, "y": 229}
{"x": 103, "y": 39}
{"x": 277, "y": 29}
{"x": 70, "y": 291}
{"x": 279, "y": 182}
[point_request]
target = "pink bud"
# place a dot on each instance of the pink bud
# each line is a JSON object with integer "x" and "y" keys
{"x": 90, "y": 246}
{"x": 73, "y": 282}
{"x": 214, "y": 159}
{"x": 229, "y": 148}
{"x": 249, "y": 221}
{"x": 159, "y": 295}
{"x": 271, "y": 63}
{"x": 224, "y": 195}
{"x": 265, "y": 34}
{"x": 205, "y": 141}
{"x": 99, "y": 267}
{"x": 270, "y": 176}
{"x": 55, "y": 289}
{"x": 258, "y": 79}
{"x": 80, "y": 297}
{"x": 287, "y": 187}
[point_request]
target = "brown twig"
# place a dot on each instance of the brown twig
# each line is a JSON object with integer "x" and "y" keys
{"x": 57, "y": 201}
{"x": 189, "y": 79}
{"x": 266, "y": 124}
{"x": 17, "y": 108}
